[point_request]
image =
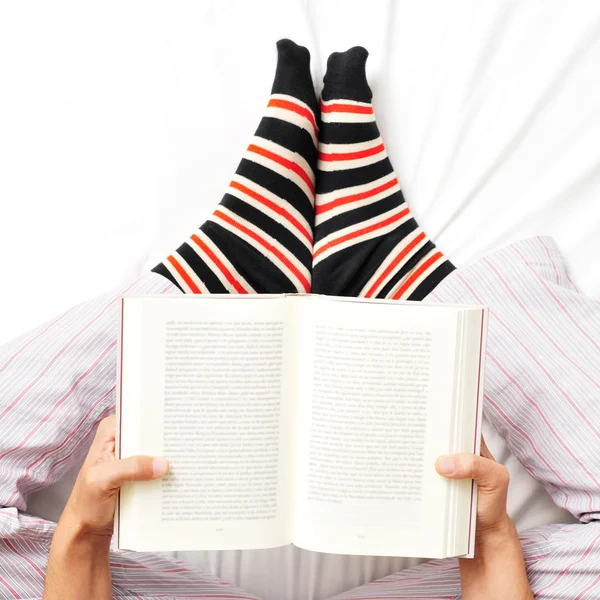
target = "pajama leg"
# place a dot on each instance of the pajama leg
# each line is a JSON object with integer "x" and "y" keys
{"x": 58, "y": 382}
{"x": 367, "y": 243}
{"x": 25, "y": 543}
{"x": 434, "y": 580}
{"x": 562, "y": 561}
{"x": 542, "y": 394}
{"x": 542, "y": 380}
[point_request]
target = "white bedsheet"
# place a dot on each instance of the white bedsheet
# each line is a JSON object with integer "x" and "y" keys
{"x": 121, "y": 123}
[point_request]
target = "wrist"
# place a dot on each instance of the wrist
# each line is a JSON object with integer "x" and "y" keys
{"x": 79, "y": 562}
{"x": 73, "y": 531}
{"x": 494, "y": 545}
{"x": 497, "y": 569}
{"x": 490, "y": 538}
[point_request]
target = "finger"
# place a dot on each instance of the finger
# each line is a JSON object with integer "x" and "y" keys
{"x": 111, "y": 475}
{"x": 105, "y": 433}
{"x": 487, "y": 473}
{"x": 108, "y": 445}
{"x": 485, "y": 451}
{"x": 105, "y": 457}
{"x": 107, "y": 429}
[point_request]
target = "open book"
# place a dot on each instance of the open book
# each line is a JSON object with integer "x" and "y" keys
{"x": 299, "y": 419}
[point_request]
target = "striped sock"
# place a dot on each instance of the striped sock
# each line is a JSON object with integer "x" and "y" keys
{"x": 366, "y": 241}
{"x": 259, "y": 239}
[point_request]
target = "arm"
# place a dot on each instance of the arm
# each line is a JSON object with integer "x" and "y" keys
{"x": 498, "y": 569}
{"x": 78, "y": 565}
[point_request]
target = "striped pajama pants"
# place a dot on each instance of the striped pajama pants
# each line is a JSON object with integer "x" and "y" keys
{"x": 542, "y": 395}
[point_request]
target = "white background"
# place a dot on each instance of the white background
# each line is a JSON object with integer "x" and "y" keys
{"x": 122, "y": 121}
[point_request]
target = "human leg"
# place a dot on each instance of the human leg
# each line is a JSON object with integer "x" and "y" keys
{"x": 58, "y": 382}
{"x": 541, "y": 394}
{"x": 367, "y": 242}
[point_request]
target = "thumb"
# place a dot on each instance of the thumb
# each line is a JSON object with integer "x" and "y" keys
{"x": 134, "y": 468}
{"x": 489, "y": 475}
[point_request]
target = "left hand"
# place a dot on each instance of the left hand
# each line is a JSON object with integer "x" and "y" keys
{"x": 497, "y": 570}
{"x": 91, "y": 506}
{"x": 492, "y": 482}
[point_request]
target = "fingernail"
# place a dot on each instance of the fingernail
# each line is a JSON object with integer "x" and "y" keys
{"x": 159, "y": 467}
{"x": 445, "y": 465}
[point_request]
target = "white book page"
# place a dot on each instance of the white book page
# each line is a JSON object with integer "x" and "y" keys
{"x": 204, "y": 385}
{"x": 374, "y": 411}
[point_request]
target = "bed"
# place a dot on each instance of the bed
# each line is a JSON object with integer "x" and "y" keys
{"x": 124, "y": 122}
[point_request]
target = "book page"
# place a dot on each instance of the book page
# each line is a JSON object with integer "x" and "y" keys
{"x": 374, "y": 413}
{"x": 462, "y": 528}
{"x": 209, "y": 379}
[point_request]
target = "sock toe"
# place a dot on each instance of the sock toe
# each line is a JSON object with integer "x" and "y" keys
{"x": 293, "y": 73}
{"x": 346, "y": 76}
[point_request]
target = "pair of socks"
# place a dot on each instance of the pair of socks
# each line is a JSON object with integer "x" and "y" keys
{"x": 314, "y": 205}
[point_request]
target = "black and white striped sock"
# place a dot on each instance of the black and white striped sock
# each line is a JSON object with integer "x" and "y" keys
{"x": 259, "y": 239}
{"x": 366, "y": 242}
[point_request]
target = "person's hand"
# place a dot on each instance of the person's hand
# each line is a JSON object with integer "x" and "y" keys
{"x": 78, "y": 565}
{"x": 91, "y": 506}
{"x": 492, "y": 481}
{"x": 498, "y": 568}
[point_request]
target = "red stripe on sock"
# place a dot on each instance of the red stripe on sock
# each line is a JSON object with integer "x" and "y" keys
{"x": 305, "y": 283}
{"x": 273, "y": 206}
{"x": 416, "y": 274}
{"x": 351, "y": 155}
{"x": 394, "y": 263}
{"x": 232, "y": 280}
{"x": 354, "y": 197}
{"x": 184, "y": 275}
{"x": 359, "y": 232}
{"x": 288, "y": 164}
{"x": 347, "y": 108}
{"x": 301, "y": 110}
